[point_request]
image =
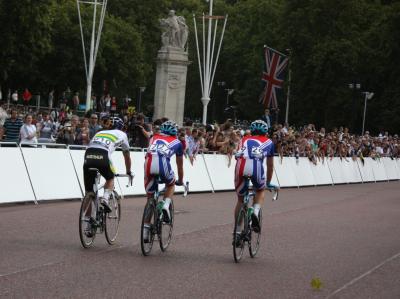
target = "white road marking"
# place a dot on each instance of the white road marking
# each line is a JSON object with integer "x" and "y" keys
{"x": 363, "y": 275}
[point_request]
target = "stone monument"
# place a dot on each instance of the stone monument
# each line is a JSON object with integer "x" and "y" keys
{"x": 172, "y": 62}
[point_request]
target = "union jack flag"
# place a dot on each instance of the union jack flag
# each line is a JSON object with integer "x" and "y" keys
{"x": 274, "y": 66}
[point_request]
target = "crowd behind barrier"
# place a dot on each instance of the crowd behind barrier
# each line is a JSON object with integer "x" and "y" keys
{"x": 64, "y": 126}
{"x": 33, "y": 173}
{"x": 305, "y": 156}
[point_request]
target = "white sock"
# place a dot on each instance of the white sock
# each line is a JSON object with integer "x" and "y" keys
{"x": 167, "y": 202}
{"x": 256, "y": 208}
{"x": 238, "y": 229}
{"x": 106, "y": 195}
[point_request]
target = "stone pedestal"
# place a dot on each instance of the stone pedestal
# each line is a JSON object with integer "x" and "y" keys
{"x": 169, "y": 97}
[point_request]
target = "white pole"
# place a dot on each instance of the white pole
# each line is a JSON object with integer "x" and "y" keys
{"x": 83, "y": 40}
{"x": 365, "y": 110}
{"x": 204, "y": 99}
{"x": 91, "y": 60}
{"x": 207, "y": 70}
{"x": 288, "y": 96}
{"x": 94, "y": 44}
{"x": 219, "y": 48}
{"x": 206, "y": 94}
{"x": 207, "y": 85}
{"x": 204, "y": 53}
{"x": 102, "y": 15}
{"x": 213, "y": 42}
{"x": 198, "y": 52}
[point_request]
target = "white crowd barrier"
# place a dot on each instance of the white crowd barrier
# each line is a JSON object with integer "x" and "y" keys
{"x": 351, "y": 171}
{"x": 196, "y": 175}
{"x": 392, "y": 170}
{"x": 137, "y": 159}
{"x": 221, "y": 176}
{"x": 52, "y": 173}
{"x": 285, "y": 172}
{"x": 321, "y": 172}
{"x": 398, "y": 168}
{"x": 15, "y": 183}
{"x": 344, "y": 171}
{"x": 303, "y": 172}
{"x": 42, "y": 173}
{"x": 366, "y": 171}
{"x": 378, "y": 169}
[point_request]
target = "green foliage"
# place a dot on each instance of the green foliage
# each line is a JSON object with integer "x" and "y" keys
{"x": 333, "y": 43}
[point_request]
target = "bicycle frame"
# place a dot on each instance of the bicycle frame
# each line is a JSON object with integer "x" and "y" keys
{"x": 99, "y": 217}
{"x": 249, "y": 195}
{"x": 155, "y": 200}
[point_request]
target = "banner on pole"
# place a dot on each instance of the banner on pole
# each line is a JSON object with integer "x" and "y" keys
{"x": 272, "y": 78}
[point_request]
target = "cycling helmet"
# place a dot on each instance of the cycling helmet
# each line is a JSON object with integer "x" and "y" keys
{"x": 258, "y": 127}
{"x": 169, "y": 128}
{"x": 117, "y": 123}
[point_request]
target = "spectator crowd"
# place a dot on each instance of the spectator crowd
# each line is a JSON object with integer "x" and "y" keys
{"x": 62, "y": 125}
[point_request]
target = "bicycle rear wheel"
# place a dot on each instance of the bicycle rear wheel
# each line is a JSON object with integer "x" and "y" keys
{"x": 254, "y": 243}
{"x": 87, "y": 229}
{"x": 149, "y": 215}
{"x": 239, "y": 233}
{"x": 112, "y": 219}
{"x": 165, "y": 229}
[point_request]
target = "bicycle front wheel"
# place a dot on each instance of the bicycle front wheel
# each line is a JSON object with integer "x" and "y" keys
{"x": 166, "y": 228}
{"x": 87, "y": 228}
{"x": 148, "y": 228}
{"x": 239, "y": 234}
{"x": 254, "y": 243}
{"x": 112, "y": 219}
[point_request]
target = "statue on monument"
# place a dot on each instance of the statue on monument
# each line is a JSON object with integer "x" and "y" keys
{"x": 175, "y": 31}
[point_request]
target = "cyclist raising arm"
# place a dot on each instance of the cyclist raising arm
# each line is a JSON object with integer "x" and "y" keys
{"x": 98, "y": 155}
{"x": 250, "y": 163}
{"x": 162, "y": 147}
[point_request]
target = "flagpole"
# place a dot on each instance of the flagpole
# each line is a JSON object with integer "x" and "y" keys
{"x": 288, "y": 90}
{"x": 276, "y": 51}
{"x": 208, "y": 63}
{"x": 97, "y": 28}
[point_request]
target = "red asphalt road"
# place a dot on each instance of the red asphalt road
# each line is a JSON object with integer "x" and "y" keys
{"x": 348, "y": 236}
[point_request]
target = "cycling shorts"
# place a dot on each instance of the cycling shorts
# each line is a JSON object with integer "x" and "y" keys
{"x": 96, "y": 158}
{"x": 252, "y": 169}
{"x": 157, "y": 167}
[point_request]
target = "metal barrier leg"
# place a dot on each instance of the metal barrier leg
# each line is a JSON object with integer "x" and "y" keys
{"x": 29, "y": 176}
{"x": 208, "y": 173}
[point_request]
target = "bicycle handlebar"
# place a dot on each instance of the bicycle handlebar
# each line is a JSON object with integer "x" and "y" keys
{"x": 186, "y": 186}
{"x": 275, "y": 193}
{"x": 126, "y": 176}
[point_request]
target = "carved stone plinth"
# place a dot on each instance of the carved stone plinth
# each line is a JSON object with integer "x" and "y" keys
{"x": 169, "y": 97}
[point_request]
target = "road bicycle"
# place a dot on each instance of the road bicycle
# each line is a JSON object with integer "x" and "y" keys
{"x": 157, "y": 227}
{"x": 247, "y": 234}
{"x": 92, "y": 217}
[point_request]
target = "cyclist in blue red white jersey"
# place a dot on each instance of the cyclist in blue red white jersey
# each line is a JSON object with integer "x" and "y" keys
{"x": 250, "y": 163}
{"x": 98, "y": 155}
{"x": 162, "y": 147}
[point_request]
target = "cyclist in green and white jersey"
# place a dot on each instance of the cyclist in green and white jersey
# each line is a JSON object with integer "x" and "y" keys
{"x": 98, "y": 155}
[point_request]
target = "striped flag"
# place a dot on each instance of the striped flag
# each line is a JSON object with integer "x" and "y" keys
{"x": 274, "y": 66}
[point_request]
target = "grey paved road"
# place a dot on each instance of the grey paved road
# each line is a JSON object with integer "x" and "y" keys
{"x": 347, "y": 236}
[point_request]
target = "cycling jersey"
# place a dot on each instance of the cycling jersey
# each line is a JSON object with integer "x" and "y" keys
{"x": 250, "y": 162}
{"x": 98, "y": 155}
{"x": 110, "y": 140}
{"x": 157, "y": 164}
